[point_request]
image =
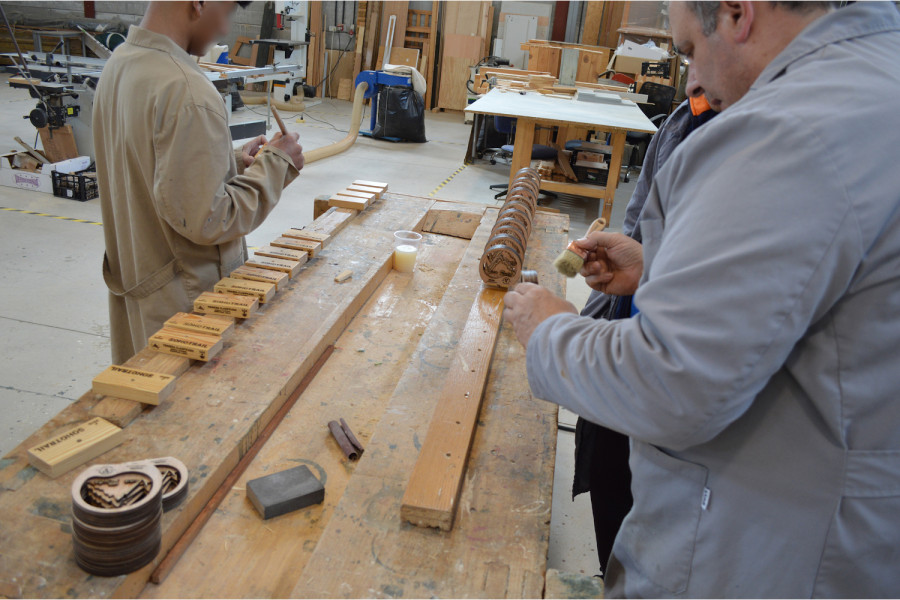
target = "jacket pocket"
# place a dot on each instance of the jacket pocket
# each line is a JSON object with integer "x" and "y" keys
{"x": 658, "y": 536}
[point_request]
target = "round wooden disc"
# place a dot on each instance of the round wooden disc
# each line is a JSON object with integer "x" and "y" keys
{"x": 92, "y": 513}
{"x": 522, "y": 205}
{"x": 523, "y": 195}
{"x": 530, "y": 173}
{"x": 512, "y": 230}
{"x": 518, "y": 215}
{"x": 500, "y": 266}
{"x": 508, "y": 239}
{"x": 507, "y": 222}
{"x": 175, "y": 481}
{"x": 535, "y": 188}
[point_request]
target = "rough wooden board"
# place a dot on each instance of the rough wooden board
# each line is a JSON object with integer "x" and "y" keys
{"x": 591, "y": 64}
{"x": 398, "y": 9}
{"x": 453, "y": 219}
{"x": 388, "y": 329}
{"x": 436, "y": 481}
{"x": 400, "y": 56}
{"x": 346, "y": 202}
{"x": 59, "y": 144}
{"x": 572, "y": 585}
{"x": 590, "y": 31}
{"x": 134, "y": 384}
{"x": 216, "y": 412}
{"x": 454, "y": 74}
{"x": 74, "y": 447}
{"x": 122, "y": 412}
{"x": 498, "y": 547}
{"x": 332, "y": 220}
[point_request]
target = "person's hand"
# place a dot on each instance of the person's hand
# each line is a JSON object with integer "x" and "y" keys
{"x": 250, "y": 149}
{"x": 614, "y": 264}
{"x": 290, "y": 145}
{"x": 528, "y": 305}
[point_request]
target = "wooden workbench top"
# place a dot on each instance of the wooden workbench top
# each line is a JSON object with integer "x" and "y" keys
{"x": 393, "y": 335}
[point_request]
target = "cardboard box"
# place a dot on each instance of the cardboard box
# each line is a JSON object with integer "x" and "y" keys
{"x": 37, "y": 181}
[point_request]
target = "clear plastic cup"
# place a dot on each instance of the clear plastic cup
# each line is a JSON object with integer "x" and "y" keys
{"x": 406, "y": 247}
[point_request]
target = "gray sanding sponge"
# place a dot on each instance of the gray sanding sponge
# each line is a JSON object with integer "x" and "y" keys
{"x": 285, "y": 491}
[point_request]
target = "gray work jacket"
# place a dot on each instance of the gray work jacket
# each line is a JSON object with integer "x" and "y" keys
{"x": 760, "y": 381}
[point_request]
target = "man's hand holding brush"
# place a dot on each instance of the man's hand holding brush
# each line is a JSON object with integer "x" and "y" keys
{"x": 614, "y": 263}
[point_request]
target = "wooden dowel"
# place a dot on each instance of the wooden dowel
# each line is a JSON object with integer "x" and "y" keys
{"x": 279, "y": 121}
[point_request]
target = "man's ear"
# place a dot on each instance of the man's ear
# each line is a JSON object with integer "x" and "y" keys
{"x": 736, "y": 20}
{"x": 196, "y": 9}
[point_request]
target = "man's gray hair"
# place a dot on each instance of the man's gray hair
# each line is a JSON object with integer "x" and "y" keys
{"x": 708, "y": 12}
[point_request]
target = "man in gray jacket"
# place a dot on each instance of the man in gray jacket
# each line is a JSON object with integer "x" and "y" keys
{"x": 759, "y": 379}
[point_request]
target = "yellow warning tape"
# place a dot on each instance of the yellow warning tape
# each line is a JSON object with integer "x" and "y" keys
{"x": 446, "y": 181}
{"x": 40, "y": 214}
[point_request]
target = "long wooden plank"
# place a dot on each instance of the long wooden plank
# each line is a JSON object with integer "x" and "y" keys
{"x": 498, "y": 546}
{"x": 212, "y": 418}
{"x": 264, "y": 558}
{"x": 593, "y": 17}
{"x": 435, "y": 484}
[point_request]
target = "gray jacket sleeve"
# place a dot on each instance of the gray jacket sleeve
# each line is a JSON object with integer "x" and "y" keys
{"x": 746, "y": 265}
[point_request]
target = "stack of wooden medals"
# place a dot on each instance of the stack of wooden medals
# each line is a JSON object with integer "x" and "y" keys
{"x": 117, "y": 511}
{"x": 501, "y": 263}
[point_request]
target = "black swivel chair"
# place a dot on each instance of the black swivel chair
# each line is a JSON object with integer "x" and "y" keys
{"x": 659, "y": 103}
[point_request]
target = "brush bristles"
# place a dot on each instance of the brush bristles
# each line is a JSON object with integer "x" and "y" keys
{"x": 568, "y": 263}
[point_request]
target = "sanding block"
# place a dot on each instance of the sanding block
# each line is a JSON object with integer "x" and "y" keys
{"x": 285, "y": 491}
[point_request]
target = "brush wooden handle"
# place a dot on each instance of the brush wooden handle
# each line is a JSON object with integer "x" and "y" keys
{"x": 597, "y": 225}
{"x": 279, "y": 121}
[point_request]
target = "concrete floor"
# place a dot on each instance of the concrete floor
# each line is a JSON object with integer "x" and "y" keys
{"x": 54, "y": 329}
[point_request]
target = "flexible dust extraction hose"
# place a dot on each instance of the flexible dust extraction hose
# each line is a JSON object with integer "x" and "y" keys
{"x": 330, "y": 149}
{"x": 355, "y": 121}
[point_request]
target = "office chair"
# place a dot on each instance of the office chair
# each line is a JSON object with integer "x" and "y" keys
{"x": 659, "y": 104}
{"x": 507, "y": 125}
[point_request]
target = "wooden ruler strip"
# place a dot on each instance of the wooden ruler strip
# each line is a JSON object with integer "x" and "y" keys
{"x": 182, "y": 343}
{"x": 208, "y": 324}
{"x": 364, "y": 189}
{"x": 292, "y": 244}
{"x": 348, "y": 193}
{"x": 279, "y": 278}
{"x": 260, "y": 290}
{"x": 168, "y": 563}
{"x": 134, "y": 384}
{"x": 62, "y": 453}
{"x": 122, "y": 412}
{"x": 347, "y": 202}
{"x": 374, "y": 184}
{"x": 291, "y": 267}
{"x": 285, "y": 252}
{"x": 231, "y": 305}
{"x": 332, "y": 221}
{"x": 436, "y": 481}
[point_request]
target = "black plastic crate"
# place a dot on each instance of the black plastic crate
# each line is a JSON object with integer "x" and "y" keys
{"x": 75, "y": 186}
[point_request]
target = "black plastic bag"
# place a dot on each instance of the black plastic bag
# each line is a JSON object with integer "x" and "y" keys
{"x": 401, "y": 114}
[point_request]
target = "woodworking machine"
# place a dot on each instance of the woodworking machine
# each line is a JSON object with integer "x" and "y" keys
{"x": 64, "y": 85}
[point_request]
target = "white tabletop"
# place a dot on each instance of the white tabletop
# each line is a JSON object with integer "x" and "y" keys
{"x": 625, "y": 116}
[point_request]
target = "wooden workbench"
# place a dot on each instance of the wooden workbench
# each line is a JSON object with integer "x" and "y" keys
{"x": 394, "y": 336}
{"x": 531, "y": 109}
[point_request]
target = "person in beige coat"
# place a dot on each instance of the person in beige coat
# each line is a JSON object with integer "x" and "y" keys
{"x": 176, "y": 198}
